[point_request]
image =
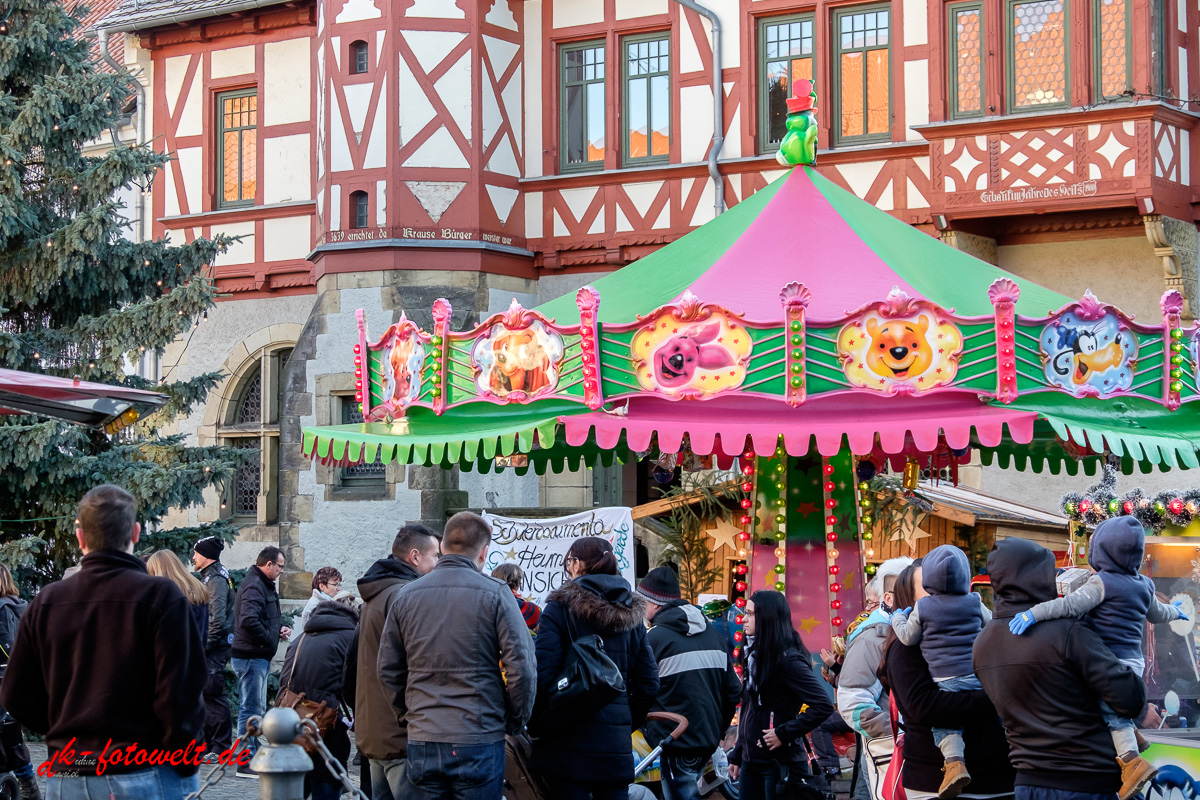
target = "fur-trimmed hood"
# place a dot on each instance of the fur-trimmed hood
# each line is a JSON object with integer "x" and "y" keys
{"x": 605, "y": 602}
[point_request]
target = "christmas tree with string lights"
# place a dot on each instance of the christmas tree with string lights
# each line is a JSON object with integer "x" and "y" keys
{"x": 79, "y": 296}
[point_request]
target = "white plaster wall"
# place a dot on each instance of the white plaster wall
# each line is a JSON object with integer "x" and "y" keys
{"x": 628, "y": 9}
{"x": 287, "y": 238}
{"x": 696, "y": 122}
{"x": 1121, "y": 271}
{"x": 240, "y": 252}
{"x": 534, "y": 102}
{"x": 286, "y": 78}
{"x": 916, "y": 94}
{"x": 231, "y": 62}
{"x": 578, "y": 12}
{"x": 287, "y": 169}
{"x": 916, "y": 25}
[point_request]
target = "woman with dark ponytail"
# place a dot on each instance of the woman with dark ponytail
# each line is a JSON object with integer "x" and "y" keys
{"x": 779, "y": 682}
{"x": 590, "y": 756}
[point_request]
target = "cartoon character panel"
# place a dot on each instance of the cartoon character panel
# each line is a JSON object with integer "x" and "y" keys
{"x": 517, "y": 361}
{"x": 677, "y": 357}
{"x": 916, "y": 352}
{"x": 403, "y": 357}
{"x": 1093, "y": 356}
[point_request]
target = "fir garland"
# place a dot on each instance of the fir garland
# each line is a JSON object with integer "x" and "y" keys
{"x": 1175, "y": 508}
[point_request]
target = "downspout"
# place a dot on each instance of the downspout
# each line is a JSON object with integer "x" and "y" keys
{"x": 140, "y": 92}
{"x": 718, "y": 140}
{"x": 139, "y": 212}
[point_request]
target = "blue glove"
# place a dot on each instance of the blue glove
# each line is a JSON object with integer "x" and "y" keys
{"x": 903, "y": 612}
{"x": 1179, "y": 607}
{"x": 1022, "y": 622}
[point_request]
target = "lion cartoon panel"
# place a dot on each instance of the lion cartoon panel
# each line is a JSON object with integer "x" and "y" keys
{"x": 918, "y": 351}
{"x": 676, "y": 357}
{"x": 522, "y": 360}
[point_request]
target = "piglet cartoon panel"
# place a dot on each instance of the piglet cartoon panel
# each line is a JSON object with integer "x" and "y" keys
{"x": 911, "y": 353}
{"x": 697, "y": 357}
{"x": 521, "y": 362}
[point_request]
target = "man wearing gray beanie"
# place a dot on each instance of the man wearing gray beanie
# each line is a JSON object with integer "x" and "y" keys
{"x": 696, "y": 679}
{"x": 218, "y": 722}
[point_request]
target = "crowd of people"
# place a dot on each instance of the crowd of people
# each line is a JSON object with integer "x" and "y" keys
{"x": 438, "y": 662}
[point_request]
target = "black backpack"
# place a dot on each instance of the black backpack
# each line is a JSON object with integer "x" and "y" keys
{"x": 586, "y": 683}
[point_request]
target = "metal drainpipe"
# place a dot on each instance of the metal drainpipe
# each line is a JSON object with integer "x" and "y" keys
{"x": 140, "y": 91}
{"x": 718, "y": 141}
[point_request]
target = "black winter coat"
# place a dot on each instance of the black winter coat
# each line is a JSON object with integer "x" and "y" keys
{"x": 696, "y": 679}
{"x": 220, "y": 609}
{"x": 1047, "y": 683}
{"x": 109, "y": 654}
{"x": 597, "y": 748}
{"x": 786, "y": 692}
{"x": 923, "y": 707}
{"x": 11, "y": 609}
{"x": 318, "y": 673}
{"x": 256, "y": 617}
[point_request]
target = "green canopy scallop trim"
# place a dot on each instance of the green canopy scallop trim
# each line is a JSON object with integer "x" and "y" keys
{"x": 1142, "y": 433}
{"x": 469, "y": 436}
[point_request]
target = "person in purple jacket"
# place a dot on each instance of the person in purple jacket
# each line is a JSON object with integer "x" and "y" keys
{"x": 945, "y": 624}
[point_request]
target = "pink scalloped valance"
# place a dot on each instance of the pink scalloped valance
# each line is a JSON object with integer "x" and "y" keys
{"x": 722, "y": 425}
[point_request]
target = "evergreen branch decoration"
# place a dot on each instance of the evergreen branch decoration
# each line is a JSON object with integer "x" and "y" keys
{"x": 1175, "y": 508}
{"x": 79, "y": 297}
{"x": 694, "y": 506}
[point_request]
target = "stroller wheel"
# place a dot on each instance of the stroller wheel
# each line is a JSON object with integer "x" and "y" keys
{"x": 10, "y": 787}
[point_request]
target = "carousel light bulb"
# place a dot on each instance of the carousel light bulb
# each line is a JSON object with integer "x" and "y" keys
{"x": 748, "y": 470}
{"x": 747, "y": 487}
{"x": 862, "y": 487}
{"x": 834, "y": 569}
{"x": 780, "y": 485}
{"x": 835, "y": 604}
{"x": 747, "y": 502}
{"x": 780, "y": 519}
{"x": 833, "y": 555}
{"x": 742, "y": 553}
{"x": 740, "y": 602}
{"x": 780, "y": 536}
{"x": 830, "y": 503}
{"x": 837, "y": 622}
{"x": 779, "y": 587}
{"x": 779, "y": 569}
{"x": 829, "y": 487}
{"x": 828, "y": 469}
{"x": 831, "y": 520}
{"x": 835, "y": 587}
{"x": 831, "y": 536}
{"x": 870, "y": 552}
{"x": 741, "y": 569}
{"x": 779, "y": 552}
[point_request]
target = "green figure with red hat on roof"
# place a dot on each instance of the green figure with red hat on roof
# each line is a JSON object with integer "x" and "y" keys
{"x": 799, "y": 145}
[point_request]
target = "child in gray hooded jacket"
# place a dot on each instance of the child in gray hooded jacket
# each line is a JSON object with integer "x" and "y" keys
{"x": 945, "y": 624}
{"x": 1119, "y": 600}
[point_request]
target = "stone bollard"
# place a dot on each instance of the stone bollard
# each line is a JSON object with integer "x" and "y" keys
{"x": 281, "y": 765}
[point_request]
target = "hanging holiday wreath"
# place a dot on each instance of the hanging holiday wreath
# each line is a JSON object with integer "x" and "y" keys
{"x": 1100, "y": 502}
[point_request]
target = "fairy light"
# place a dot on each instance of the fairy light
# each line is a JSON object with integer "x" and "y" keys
{"x": 781, "y": 475}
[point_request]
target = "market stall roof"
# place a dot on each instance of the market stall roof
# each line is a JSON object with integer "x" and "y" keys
{"x": 984, "y": 507}
{"x": 71, "y": 400}
{"x": 797, "y": 276}
{"x": 802, "y": 227}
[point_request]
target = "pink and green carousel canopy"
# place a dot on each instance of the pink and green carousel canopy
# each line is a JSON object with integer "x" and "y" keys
{"x": 804, "y": 316}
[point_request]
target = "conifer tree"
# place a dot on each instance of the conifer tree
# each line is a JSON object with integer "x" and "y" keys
{"x": 79, "y": 296}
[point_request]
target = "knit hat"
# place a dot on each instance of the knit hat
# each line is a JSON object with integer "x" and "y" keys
{"x": 660, "y": 586}
{"x": 210, "y": 547}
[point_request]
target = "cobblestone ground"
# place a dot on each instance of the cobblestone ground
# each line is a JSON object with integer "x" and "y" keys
{"x": 230, "y": 787}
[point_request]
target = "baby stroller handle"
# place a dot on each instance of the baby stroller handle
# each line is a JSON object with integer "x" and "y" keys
{"x": 681, "y": 724}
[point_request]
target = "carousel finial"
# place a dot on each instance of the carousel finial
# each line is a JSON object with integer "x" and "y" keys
{"x": 799, "y": 145}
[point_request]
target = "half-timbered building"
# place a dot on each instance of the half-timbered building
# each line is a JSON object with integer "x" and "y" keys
{"x": 378, "y": 154}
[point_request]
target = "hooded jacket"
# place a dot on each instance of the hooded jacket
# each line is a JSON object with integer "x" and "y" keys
{"x": 858, "y": 687}
{"x": 696, "y": 678}
{"x": 11, "y": 609}
{"x": 951, "y": 615}
{"x": 445, "y": 641}
{"x": 109, "y": 654}
{"x": 1047, "y": 683}
{"x": 597, "y": 747}
{"x": 1116, "y": 552}
{"x": 377, "y": 732}
{"x": 314, "y": 665}
{"x": 220, "y": 609}
{"x": 256, "y": 617}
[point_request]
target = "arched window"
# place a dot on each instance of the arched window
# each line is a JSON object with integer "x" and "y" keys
{"x": 250, "y": 423}
{"x": 358, "y": 57}
{"x": 358, "y": 209}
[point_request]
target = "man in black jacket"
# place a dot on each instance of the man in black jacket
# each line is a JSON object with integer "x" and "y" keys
{"x": 107, "y": 661}
{"x": 1048, "y": 683}
{"x": 696, "y": 679}
{"x": 256, "y": 634}
{"x": 218, "y": 723}
{"x": 378, "y": 734}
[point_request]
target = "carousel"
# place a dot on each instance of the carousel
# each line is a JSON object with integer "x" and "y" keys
{"x": 806, "y": 339}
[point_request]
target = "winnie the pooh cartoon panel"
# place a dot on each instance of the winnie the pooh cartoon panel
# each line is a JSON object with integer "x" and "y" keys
{"x": 511, "y": 361}
{"x": 916, "y": 352}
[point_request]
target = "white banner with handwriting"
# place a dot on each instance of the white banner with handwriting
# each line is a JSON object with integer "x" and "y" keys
{"x": 539, "y": 546}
